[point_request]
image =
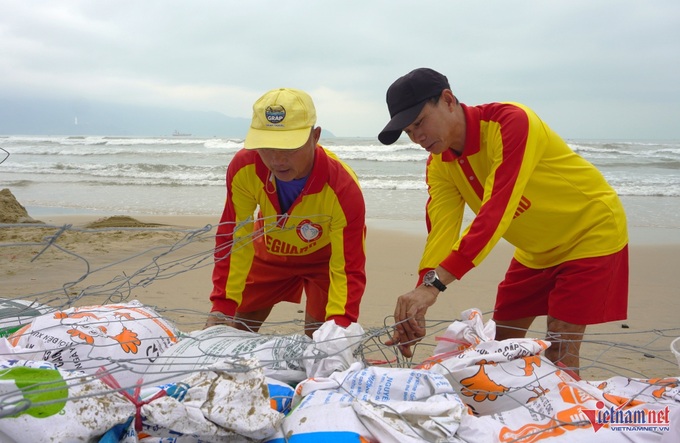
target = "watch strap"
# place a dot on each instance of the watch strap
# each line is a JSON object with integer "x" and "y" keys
{"x": 438, "y": 284}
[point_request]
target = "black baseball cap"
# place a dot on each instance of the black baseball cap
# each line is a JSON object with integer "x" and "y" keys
{"x": 407, "y": 96}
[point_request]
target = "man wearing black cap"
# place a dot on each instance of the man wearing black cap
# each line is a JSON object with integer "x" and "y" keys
{"x": 526, "y": 185}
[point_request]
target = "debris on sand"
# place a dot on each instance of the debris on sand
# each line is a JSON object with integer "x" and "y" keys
{"x": 120, "y": 221}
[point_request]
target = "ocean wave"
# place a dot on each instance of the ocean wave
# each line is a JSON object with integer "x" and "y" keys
{"x": 108, "y": 150}
{"x": 383, "y": 158}
{"x": 64, "y": 169}
{"x": 370, "y": 146}
{"x": 642, "y": 164}
{"x": 648, "y": 192}
{"x": 628, "y": 150}
{"x": 18, "y": 183}
{"x": 401, "y": 185}
{"x": 32, "y": 143}
{"x": 142, "y": 173}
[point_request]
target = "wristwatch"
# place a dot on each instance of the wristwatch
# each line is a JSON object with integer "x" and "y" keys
{"x": 432, "y": 279}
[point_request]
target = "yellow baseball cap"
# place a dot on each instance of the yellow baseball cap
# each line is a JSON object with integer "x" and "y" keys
{"x": 282, "y": 119}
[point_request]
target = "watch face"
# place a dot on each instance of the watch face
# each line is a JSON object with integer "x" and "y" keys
{"x": 432, "y": 279}
{"x": 429, "y": 277}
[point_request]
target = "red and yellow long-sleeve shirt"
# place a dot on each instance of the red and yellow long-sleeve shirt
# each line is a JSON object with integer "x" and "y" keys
{"x": 526, "y": 185}
{"x": 325, "y": 223}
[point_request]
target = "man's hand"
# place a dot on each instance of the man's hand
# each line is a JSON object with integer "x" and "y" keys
{"x": 409, "y": 317}
{"x": 217, "y": 318}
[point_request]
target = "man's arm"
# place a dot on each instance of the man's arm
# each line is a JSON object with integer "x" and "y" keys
{"x": 409, "y": 313}
{"x": 444, "y": 215}
{"x": 235, "y": 229}
{"x": 348, "y": 250}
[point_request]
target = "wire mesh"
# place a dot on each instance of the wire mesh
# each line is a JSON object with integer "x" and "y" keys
{"x": 92, "y": 275}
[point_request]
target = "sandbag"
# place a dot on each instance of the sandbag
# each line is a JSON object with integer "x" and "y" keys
{"x": 14, "y": 314}
{"x": 279, "y": 356}
{"x": 124, "y": 339}
{"x": 373, "y": 404}
{"x": 333, "y": 349}
{"x": 574, "y": 412}
{"x": 492, "y": 376}
{"x": 222, "y": 403}
{"x": 42, "y": 403}
{"x": 656, "y": 390}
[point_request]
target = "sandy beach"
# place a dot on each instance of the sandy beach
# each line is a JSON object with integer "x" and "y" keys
{"x": 166, "y": 262}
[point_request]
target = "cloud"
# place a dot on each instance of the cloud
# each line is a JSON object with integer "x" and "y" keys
{"x": 574, "y": 61}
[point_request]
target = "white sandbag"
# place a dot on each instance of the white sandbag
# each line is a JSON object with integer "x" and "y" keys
{"x": 207, "y": 407}
{"x": 16, "y": 313}
{"x": 224, "y": 403}
{"x": 332, "y": 349}
{"x": 374, "y": 383}
{"x": 435, "y": 419}
{"x": 41, "y": 403}
{"x": 673, "y": 434}
{"x": 472, "y": 334}
{"x": 655, "y": 390}
{"x": 122, "y": 338}
{"x": 374, "y": 404}
{"x": 333, "y": 422}
{"x": 466, "y": 333}
{"x": 492, "y": 376}
{"x": 280, "y": 356}
{"x": 574, "y": 412}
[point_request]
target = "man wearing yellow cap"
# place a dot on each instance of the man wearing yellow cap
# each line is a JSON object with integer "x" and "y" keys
{"x": 309, "y": 230}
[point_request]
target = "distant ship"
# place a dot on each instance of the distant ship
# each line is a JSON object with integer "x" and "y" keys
{"x": 180, "y": 134}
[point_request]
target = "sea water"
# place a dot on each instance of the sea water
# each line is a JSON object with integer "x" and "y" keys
{"x": 186, "y": 176}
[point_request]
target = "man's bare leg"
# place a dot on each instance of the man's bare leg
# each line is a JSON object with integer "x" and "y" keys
{"x": 513, "y": 328}
{"x": 565, "y": 341}
{"x": 251, "y": 321}
{"x": 311, "y": 325}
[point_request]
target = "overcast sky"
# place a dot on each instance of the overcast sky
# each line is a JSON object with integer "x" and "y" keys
{"x": 607, "y": 69}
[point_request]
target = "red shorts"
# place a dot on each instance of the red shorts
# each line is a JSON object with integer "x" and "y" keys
{"x": 582, "y": 292}
{"x": 273, "y": 279}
